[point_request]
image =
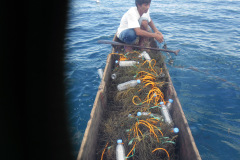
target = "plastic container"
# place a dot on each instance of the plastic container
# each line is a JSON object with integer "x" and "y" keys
{"x": 169, "y": 104}
{"x": 162, "y": 75}
{"x": 165, "y": 113}
{"x": 175, "y": 130}
{"x": 145, "y": 55}
{"x": 128, "y": 84}
{"x": 143, "y": 113}
{"x": 120, "y": 151}
{"x": 156, "y": 116}
{"x": 126, "y": 63}
{"x": 114, "y": 76}
{"x": 100, "y": 73}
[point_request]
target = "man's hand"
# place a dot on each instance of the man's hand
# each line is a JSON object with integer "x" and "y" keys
{"x": 158, "y": 36}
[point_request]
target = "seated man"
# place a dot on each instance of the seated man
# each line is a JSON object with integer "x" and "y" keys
{"x": 135, "y": 23}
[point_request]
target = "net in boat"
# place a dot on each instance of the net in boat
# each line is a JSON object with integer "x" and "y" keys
{"x": 145, "y": 136}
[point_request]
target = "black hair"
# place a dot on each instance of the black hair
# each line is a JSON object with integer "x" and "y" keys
{"x": 140, "y": 2}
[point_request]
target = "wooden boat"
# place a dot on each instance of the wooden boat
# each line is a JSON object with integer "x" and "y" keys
{"x": 187, "y": 146}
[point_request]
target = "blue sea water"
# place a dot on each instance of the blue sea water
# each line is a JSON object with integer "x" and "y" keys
{"x": 205, "y": 74}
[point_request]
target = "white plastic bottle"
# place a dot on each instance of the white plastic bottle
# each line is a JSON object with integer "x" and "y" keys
{"x": 128, "y": 84}
{"x": 145, "y": 55}
{"x": 127, "y": 63}
{"x": 169, "y": 104}
{"x": 165, "y": 113}
{"x": 100, "y": 73}
{"x": 120, "y": 151}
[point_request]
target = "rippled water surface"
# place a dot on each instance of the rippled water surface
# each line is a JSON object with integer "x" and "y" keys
{"x": 205, "y": 74}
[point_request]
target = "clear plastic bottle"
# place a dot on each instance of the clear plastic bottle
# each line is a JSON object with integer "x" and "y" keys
{"x": 100, "y": 73}
{"x": 165, "y": 113}
{"x": 128, "y": 84}
{"x": 120, "y": 151}
{"x": 162, "y": 75}
{"x": 143, "y": 113}
{"x": 169, "y": 104}
{"x": 126, "y": 63}
{"x": 145, "y": 55}
{"x": 114, "y": 76}
{"x": 156, "y": 116}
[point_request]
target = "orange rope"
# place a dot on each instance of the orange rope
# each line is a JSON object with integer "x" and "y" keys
{"x": 131, "y": 149}
{"x": 150, "y": 128}
{"x": 151, "y": 67}
{"x": 155, "y": 95}
{"x": 162, "y": 149}
{"x": 104, "y": 151}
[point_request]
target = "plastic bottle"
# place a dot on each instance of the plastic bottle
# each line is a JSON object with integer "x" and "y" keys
{"x": 175, "y": 130}
{"x": 128, "y": 84}
{"x": 120, "y": 151}
{"x": 114, "y": 76}
{"x": 126, "y": 63}
{"x": 145, "y": 55}
{"x": 156, "y": 116}
{"x": 162, "y": 75}
{"x": 100, "y": 73}
{"x": 165, "y": 113}
{"x": 143, "y": 113}
{"x": 169, "y": 104}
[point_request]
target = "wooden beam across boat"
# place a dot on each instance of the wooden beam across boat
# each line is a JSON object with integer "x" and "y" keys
{"x": 187, "y": 147}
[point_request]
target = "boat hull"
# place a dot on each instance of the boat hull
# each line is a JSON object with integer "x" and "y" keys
{"x": 187, "y": 147}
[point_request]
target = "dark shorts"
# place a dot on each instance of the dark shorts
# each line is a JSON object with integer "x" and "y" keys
{"x": 128, "y": 36}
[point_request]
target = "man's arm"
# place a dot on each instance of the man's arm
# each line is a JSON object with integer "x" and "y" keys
{"x": 143, "y": 33}
{"x": 157, "y": 35}
{"x": 151, "y": 24}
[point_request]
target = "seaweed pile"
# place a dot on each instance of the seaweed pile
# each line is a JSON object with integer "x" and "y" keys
{"x": 144, "y": 137}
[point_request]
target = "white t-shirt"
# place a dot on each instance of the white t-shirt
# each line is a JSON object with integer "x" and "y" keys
{"x": 130, "y": 20}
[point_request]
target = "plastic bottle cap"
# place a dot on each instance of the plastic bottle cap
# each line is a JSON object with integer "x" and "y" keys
{"x": 119, "y": 141}
{"x": 161, "y": 103}
{"x": 170, "y": 100}
{"x": 139, "y": 113}
{"x": 116, "y": 61}
{"x": 175, "y": 130}
{"x": 138, "y": 81}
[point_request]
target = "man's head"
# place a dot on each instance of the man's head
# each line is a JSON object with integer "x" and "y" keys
{"x": 140, "y": 2}
{"x": 142, "y": 5}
